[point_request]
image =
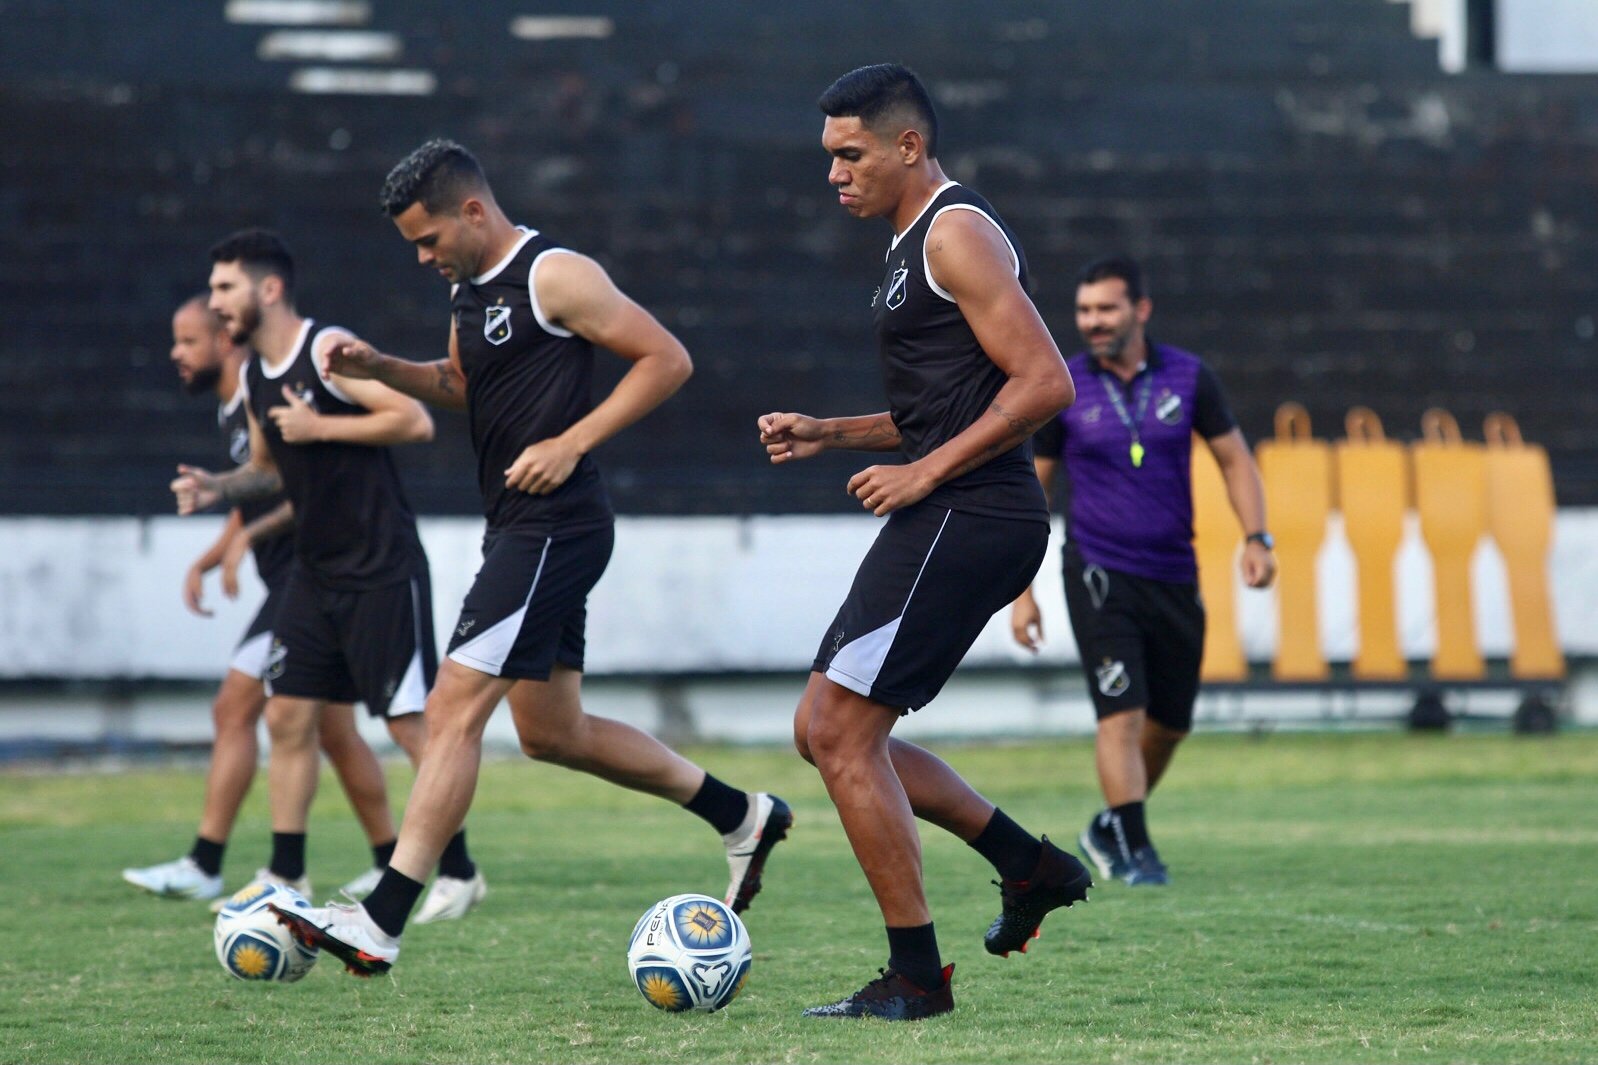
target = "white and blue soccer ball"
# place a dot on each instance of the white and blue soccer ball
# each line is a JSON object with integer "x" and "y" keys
{"x": 250, "y": 943}
{"x": 689, "y": 952}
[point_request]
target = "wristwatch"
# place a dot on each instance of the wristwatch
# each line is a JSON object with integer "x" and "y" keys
{"x": 1264, "y": 539}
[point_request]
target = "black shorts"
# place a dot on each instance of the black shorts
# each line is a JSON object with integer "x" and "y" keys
{"x": 921, "y": 597}
{"x": 528, "y": 605}
{"x": 255, "y": 646}
{"x": 374, "y": 646}
{"x": 1141, "y": 641}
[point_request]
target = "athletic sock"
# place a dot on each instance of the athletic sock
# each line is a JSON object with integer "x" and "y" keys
{"x": 383, "y": 853}
{"x": 288, "y": 855}
{"x": 391, "y": 902}
{"x": 207, "y": 854}
{"x": 1134, "y": 827}
{"x": 1008, "y": 847}
{"x": 723, "y": 806}
{"x": 455, "y": 862}
{"x": 913, "y": 954}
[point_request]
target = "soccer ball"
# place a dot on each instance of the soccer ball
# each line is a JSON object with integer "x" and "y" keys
{"x": 251, "y": 945}
{"x": 689, "y": 952}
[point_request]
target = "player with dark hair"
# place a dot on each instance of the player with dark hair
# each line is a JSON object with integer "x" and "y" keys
{"x": 356, "y": 621}
{"x": 207, "y": 361}
{"x": 1131, "y": 579}
{"x": 527, "y": 314}
{"x": 971, "y": 372}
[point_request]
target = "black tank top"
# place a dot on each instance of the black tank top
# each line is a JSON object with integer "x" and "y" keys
{"x": 272, "y": 557}
{"x": 939, "y": 380}
{"x": 527, "y": 380}
{"x": 353, "y": 529}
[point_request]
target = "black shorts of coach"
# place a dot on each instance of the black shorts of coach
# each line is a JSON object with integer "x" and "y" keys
{"x": 1141, "y": 641}
{"x": 921, "y": 598}
{"x": 374, "y": 646}
{"x": 528, "y": 606}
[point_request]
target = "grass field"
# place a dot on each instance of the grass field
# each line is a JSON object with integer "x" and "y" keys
{"x": 1339, "y": 898}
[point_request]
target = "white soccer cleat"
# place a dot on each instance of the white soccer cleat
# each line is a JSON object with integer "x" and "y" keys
{"x": 451, "y": 898}
{"x": 346, "y": 932}
{"x": 747, "y": 849}
{"x": 266, "y": 876}
{"x": 364, "y": 884}
{"x": 180, "y": 879}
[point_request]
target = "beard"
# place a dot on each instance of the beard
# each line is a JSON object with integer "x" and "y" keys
{"x": 243, "y": 328}
{"x": 1113, "y": 345}
{"x": 202, "y": 381}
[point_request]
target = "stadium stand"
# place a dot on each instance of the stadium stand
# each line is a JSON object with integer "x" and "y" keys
{"x": 1321, "y": 212}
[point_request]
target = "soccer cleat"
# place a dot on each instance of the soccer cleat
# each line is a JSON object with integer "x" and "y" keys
{"x": 346, "y": 932}
{"x": 180, "y": 879}
{"x": 1105, "y": 846}
{"x": 1146, "y": 869}
{"x": 451, "y": 898}
{"x": 892, "y": 998}
{"x": 1059, "y": 880}
{"x": 747, "y": 852}
{"x": 364, "y": 884}
{"x": 266, "y": 876}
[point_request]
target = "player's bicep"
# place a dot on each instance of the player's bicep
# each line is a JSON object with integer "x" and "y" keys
{"x": 973, "y": 263}
{"x": 576, "y": 292}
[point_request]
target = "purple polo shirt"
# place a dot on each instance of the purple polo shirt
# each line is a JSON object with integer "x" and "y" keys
{"x": 1126, "y": 518}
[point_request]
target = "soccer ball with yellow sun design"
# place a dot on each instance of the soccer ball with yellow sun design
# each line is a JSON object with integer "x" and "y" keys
{"x": 689, "y": 952}
{"x": 252, "y": 945}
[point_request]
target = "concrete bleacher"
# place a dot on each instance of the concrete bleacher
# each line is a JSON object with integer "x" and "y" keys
{"x": 1323, "y": 214}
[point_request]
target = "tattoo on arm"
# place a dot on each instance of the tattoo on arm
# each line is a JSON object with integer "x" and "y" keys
{"x": 1020, "y": 429}
{"x": 874, "y": 436}
{"x": 446, "y": 378}
{"x": 248, "y": 482}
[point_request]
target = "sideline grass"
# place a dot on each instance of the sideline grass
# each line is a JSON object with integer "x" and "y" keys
{"x": 1335, "y": 898}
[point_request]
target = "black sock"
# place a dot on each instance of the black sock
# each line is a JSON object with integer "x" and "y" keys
{"x": 288, "y": 855}
{"x": 1008, "y": 847}
{"x": 383, "y": 853}
{"x": 392, "y": 901}
{"x": 724, "y": 807}
{"x": 1133, "y": 824}
{"x": 455, "y": 861}
{"x": 913, "y": 954}
{"x": 207, "y": 854}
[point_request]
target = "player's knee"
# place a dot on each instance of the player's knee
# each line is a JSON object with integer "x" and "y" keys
{"x": 546, "y": 746}
{"x": 291, "y": 728}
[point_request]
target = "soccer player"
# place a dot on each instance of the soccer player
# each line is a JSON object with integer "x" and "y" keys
{"x": 971, "y": 372}
{"x": 207, "y": 361}
{"x": 356, "y": 622}
{"x": 1131, "y": 579}
{"x": 527, "y": 315}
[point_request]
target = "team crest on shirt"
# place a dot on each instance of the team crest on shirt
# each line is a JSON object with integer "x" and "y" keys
{"x": 238, "y": 446}
{"x": 305, "y": 394}
{"x": 896, "y": 288}
{"x": 1169, "y": 409}
{"x": 496, "y": 324}
{"x": 1112, "y": 676}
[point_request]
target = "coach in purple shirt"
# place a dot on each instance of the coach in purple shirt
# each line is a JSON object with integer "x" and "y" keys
{"x": 1131, "y": 579}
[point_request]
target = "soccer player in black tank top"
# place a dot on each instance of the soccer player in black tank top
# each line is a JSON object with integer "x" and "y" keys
{"x": 207, "y": 361}
{"x": 970, "y": 371}
{"x": 527, "y": 315}
{"x": 356, "y": 619}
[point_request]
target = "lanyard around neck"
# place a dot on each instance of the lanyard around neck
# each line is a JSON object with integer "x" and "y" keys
{"x": 1135, "y": 418}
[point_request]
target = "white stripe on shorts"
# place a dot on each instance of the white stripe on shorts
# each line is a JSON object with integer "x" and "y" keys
{"x": 488, "y": 650}
{"x": 250, "y": 657}
{"x": 859, "y": 662}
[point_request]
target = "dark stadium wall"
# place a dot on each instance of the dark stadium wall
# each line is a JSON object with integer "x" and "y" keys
{"x": 1322, "y": 214}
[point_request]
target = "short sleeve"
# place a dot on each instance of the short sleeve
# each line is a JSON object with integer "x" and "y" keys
{"x": 1211, "y": 416}
{"x": 1049, "y": 441}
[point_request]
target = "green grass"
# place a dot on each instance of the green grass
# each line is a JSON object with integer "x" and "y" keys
{"x": 1341, "y": 898}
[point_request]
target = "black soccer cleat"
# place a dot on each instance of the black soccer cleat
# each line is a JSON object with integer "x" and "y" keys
{"x": 746, "y": 857}
{"x": 891, "y": 997}
{"x": 1059, "y": 880}
{"x": 1146, "y": 869}
{"x": 1104, "y": 844}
